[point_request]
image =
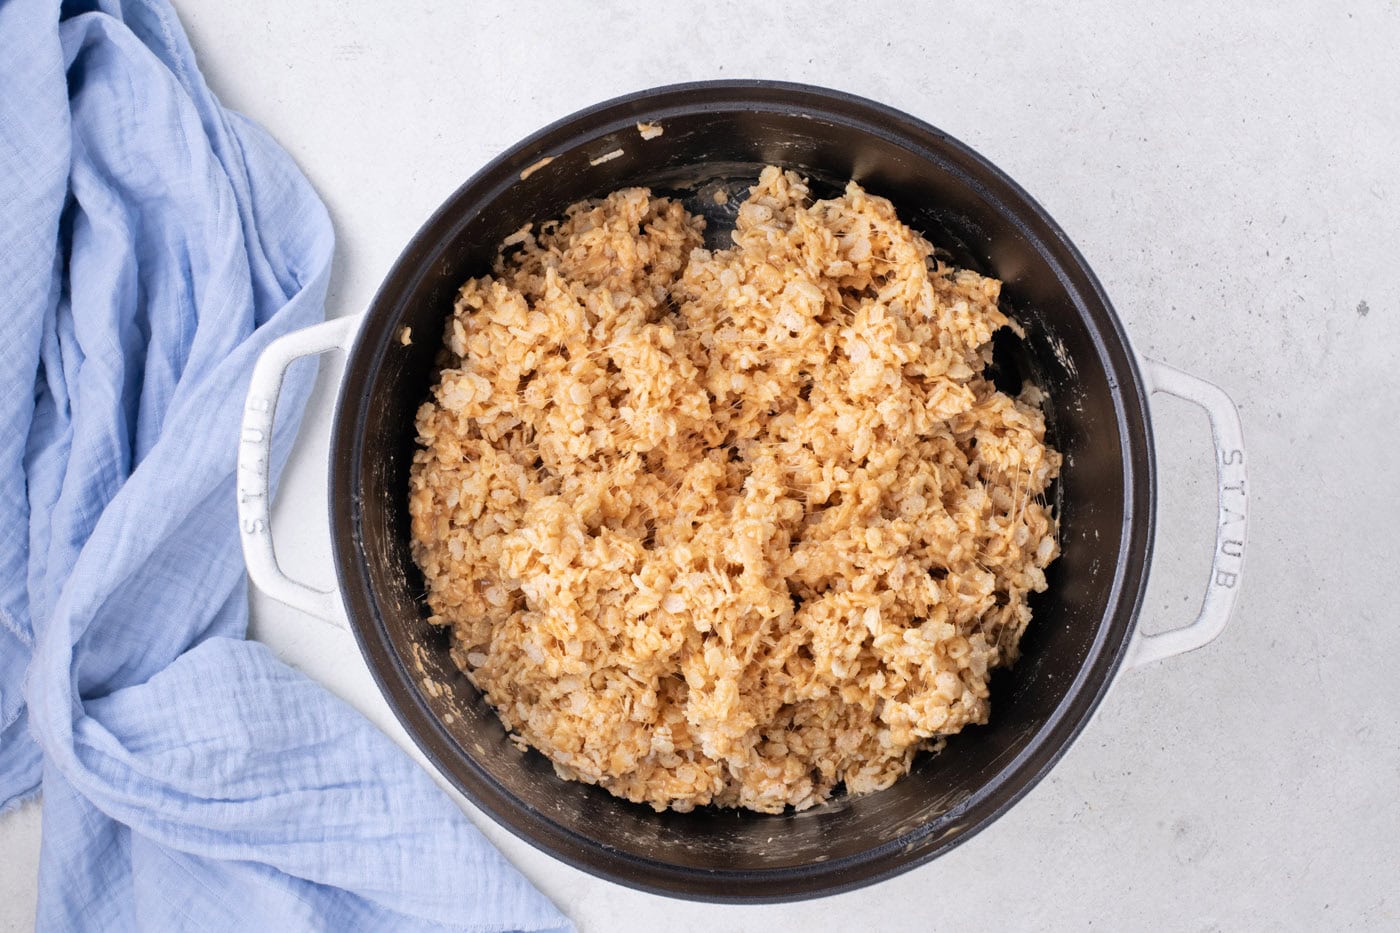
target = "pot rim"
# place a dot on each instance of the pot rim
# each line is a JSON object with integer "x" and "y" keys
{"x": 1018, "y": 775}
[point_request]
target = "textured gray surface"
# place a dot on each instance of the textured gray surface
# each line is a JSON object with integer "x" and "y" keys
{"x": 1231, "y": 171}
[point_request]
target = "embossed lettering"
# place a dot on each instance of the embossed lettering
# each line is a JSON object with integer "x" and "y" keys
{"x": 1231, "y": 457}
{"x": 1226, "y": 578}
{"x": 254, "y": 526}
{"x": 1232, "y": 548}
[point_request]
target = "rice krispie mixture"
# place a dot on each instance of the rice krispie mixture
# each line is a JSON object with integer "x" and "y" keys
{"x": 732, "y": 527}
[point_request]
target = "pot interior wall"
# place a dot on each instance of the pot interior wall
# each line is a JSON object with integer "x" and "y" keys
{"x": 1072, "y": 350}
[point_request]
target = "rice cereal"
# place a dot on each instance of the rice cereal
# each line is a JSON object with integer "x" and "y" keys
{"x": 731, "y": 527}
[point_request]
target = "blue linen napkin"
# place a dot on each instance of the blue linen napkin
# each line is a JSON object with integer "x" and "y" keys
{"x": 151, "y": 244}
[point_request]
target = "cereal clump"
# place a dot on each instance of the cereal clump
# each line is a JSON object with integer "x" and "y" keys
{"x": 731, "y": 527}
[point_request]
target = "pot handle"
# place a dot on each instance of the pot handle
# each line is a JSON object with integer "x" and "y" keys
{"x": 254, "y": 458}
{"x": 1227, "y": 566}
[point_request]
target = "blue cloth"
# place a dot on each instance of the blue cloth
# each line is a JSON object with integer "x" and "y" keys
{"x": 151, "y": 244}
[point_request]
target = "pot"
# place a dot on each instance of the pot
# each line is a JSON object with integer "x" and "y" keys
{"x": 719, "y": 135}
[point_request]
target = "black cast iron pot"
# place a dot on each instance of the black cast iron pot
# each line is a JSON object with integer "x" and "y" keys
{"x": 720, "y": 134}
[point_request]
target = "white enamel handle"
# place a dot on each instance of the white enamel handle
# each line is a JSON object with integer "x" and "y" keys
{"x": 254, "y": 465}
{"x": 1227, "y": 566}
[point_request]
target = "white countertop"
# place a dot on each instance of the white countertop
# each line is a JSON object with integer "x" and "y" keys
{"x": 1234, "y": 179}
